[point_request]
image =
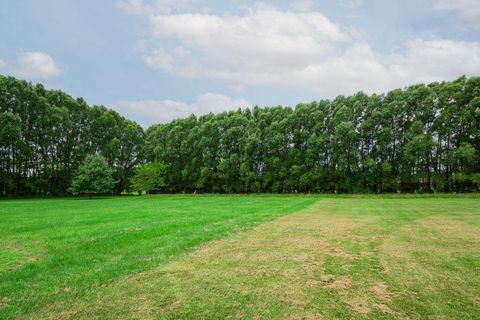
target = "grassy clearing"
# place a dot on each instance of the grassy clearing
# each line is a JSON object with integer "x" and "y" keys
{"x": 340, "y": 258}
{"x": 53, "y": 252}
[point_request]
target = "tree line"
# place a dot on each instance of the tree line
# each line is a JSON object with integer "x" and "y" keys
{"x": 423, "y": 138}
{"x": 46, "y": 134}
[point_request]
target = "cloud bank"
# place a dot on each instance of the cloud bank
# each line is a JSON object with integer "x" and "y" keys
{"x": 148, "y": 112}
{"x": 296, "y": 49}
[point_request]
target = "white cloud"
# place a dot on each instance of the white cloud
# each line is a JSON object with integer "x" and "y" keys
{"x": 267, "y": 46}
{"x": 148, "y": 112}
{"x": 435, "y": 60}
{"x": 469, "y": 9}
{"x": 359, "y": 68}
{"x": 262, "y": 47}
{"x": 2, "y": 64}
{"x": 36, "y": 65}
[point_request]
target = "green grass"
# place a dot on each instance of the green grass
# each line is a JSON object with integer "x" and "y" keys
{"x": 54, "y": 251}
{"x": 362, "y": 257}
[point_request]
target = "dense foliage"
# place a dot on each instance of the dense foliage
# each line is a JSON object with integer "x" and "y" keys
{"x": 93, "y": 176}
{"x": 423, "y": 138}
{"x": 148, "y": 177}
{"x": 46, "y": 134}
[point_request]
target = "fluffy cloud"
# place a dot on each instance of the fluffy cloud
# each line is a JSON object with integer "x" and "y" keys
{"x": 269, "y": 46}
{"x": 359, "y": 68}
{"x": 469, "y": 9}
{"x": 263, "y": 47}
{"x": 36, "y": 65}
{"x": 148, "y": 112}
{"x": 426, "y": 61}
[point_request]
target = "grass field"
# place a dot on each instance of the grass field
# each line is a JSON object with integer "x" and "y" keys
{"x": 241, "y": 257}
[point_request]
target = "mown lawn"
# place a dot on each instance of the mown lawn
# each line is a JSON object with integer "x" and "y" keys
{"x": 53, "y": 252}
{"x": 310, "y": 258}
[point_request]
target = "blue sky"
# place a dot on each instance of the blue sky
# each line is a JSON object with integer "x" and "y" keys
{"x": 157, "y": 60}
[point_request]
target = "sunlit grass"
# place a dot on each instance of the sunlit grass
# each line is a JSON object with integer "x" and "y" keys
{"x": 55, "y": 251}
{"x": 368, "y": 257}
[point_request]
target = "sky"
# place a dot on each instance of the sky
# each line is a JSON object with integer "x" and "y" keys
{"x": 157, "y": 60}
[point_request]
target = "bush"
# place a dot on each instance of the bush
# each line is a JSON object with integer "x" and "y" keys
{"x": 94, "y": 176}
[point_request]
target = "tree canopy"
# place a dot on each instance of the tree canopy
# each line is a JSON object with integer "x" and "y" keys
{"x": 46, "y": 134}
{"x": 423, "y": 138}
{"x": 148, "y": 177}
{"x": 93, "y": 176}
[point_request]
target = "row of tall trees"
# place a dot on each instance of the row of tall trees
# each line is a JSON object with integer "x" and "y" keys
{"x": 424, "y": 138}
{"x": 46, "y": 134}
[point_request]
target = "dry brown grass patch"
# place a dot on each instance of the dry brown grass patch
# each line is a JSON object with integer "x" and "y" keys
{"x": 4, "y": 303}
{"x": 338, "y": 284}
{"x": 359, "y": 305}
{"x": 380, "y": 290}
{"x": 307, "y": 316}
{"x": 385, "y": 309}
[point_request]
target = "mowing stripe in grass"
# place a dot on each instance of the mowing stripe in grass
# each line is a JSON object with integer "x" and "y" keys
{"x": 53, "y": 251}
{"x": 359, "y": 258}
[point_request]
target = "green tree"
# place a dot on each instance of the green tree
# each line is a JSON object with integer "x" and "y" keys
{"x": 10, "y": 136}
{"x": 94, "y": 176}
{"x": 423, "y": 138}
{"x": 148, "y": 177}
